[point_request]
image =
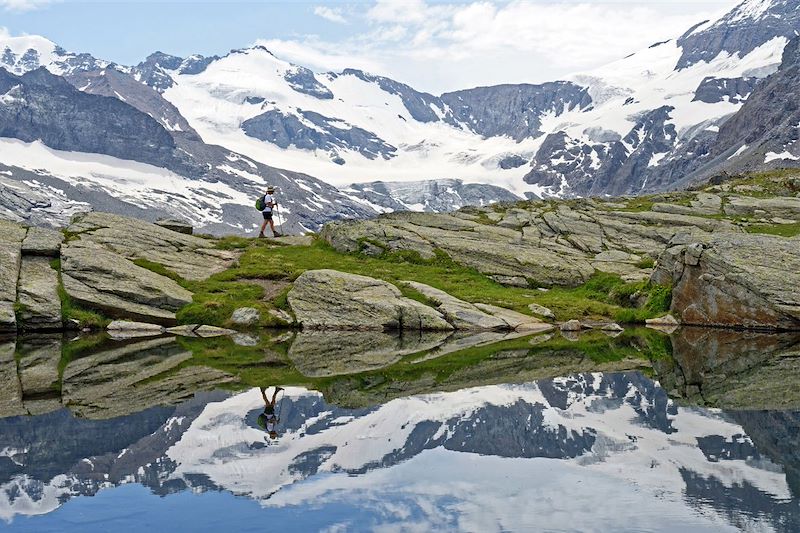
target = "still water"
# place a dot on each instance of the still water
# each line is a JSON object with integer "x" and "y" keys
{"x": 703, "y": 435}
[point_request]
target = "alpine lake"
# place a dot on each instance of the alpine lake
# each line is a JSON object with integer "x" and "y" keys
{"x": 691, "y": 430}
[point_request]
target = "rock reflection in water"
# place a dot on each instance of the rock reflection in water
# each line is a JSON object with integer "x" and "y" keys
{"x": 731, "y": 369}
{"x": 332, "y": 353}
{"x": 545, "y": 454}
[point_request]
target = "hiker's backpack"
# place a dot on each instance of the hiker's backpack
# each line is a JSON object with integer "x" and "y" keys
{"x": 261, "y": 203}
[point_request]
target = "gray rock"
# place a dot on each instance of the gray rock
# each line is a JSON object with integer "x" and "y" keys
{"x": 516, "y": 321}
{"x": 42, "y": 241}
{"x": 11, "y": 236}
{"x": 212, "y": 331}
{"x": 190, "y": 257}
{"x": 175, "y": 225}
{"x": 462, "y": 315}
{"x": 732, "y": 281}
{"x": 328, "y": 299}
{"x": 282, "y": 315}
{"x": 542, "y": 311}
{"x": 101, "y": 279}
{"x": 571, "y": 325}
{"x": 246, "y": 316}
{"x": 749, "y": 206}
{"x": 125, "y": 329}
{"x": 40, "y": 303}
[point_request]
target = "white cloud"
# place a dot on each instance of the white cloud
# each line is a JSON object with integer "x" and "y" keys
{"x": 23, "y": 5}
{"x": 331, "y": 14}
{"x": 445, "y": 46}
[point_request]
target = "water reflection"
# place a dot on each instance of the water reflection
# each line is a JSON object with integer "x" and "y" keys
{"x": 542, "y": 455}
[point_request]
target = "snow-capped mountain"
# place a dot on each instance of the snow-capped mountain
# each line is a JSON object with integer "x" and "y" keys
{"x": 657, "y": 114}
{"x": 217, "y": 129}
{"x": 485, "y": 445}
{"x": 435, "y": 196}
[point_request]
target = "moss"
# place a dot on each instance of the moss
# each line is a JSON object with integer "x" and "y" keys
{"x": 646, "y": 262}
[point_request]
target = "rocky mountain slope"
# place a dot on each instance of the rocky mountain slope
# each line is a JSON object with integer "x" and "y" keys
{"x": 658, "y": 119}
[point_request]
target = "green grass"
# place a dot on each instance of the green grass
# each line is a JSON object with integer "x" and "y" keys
{"x": 782, "y": 230}
{"x": 215, "y": 299}
{"x": 70, "y": 310}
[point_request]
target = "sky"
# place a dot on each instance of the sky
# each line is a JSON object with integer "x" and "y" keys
{"x": 433, "y": 45}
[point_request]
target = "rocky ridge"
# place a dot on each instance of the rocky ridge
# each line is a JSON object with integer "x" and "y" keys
{"x": 535, "y": 244}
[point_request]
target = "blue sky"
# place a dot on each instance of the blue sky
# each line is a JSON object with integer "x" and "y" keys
{"x": 433, "y": 45}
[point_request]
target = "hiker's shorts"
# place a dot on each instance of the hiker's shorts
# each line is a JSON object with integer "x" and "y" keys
{"x": 267, "y": 215}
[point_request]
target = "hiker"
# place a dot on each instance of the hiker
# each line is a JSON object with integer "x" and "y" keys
{"x": 267, "y": 420}
{"x": 268, "y": 203}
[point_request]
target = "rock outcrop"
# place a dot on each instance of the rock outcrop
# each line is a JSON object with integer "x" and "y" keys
{"x": 11, "y": 236}
{"x": 99, "y": 278}
{"x": 744, "y": 281}
{"x": 328, "y": 299}
{"x": 534, "y": 244}
{"x": 39, "y": 301}
{"x": 188, "y": 256}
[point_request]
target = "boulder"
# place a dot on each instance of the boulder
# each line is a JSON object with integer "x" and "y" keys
{"x": 99, "y": 278}
{"x": 540, "y": 310}
{"x": 737, "y": 280}
{"x": 571, "y": 325}
{"x": 246, "y": 316}
{"x": 190, "y": 257}
{"x": 328, "y": 299}
{"x": 208, "y": 332}
{"x": 462, "y": 315}
{"x": 40, "y": 303}
{"x": 42, "y": 242}
{"x": 11, "y": 236}
{"x": 175, "y": 225}
{"x": 125, "y": 329}
{"x": 666, "y": 320}
{"x": 516, "y": 321}
{"x": 11, "y": 397}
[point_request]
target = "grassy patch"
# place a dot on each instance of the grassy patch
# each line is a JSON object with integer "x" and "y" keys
{"x": 782, "y": 230}
{"x": 70, "y": 310}
{"x": 216, "y": 298}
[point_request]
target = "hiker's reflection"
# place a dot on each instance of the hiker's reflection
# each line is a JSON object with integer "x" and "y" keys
{"x": 268, "y": 420}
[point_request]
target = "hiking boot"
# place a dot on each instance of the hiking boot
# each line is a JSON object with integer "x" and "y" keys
{"x": 261, "y": 235}
{"x": 275, "y": 233}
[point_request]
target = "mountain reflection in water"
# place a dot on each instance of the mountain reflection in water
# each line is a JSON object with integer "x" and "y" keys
{"x": 590, "y": 451}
